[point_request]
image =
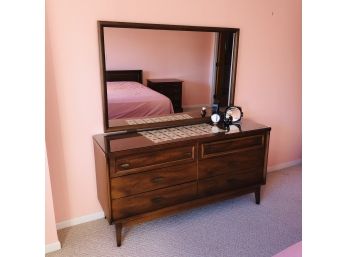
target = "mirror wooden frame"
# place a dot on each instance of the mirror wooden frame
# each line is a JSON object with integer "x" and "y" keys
{"x": 103, "y": 75}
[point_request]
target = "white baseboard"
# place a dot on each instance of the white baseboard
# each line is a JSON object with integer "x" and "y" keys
{"x": 80, "y": 220}
{"x": 53, "y": 247}
{"x": 284, "y": 165}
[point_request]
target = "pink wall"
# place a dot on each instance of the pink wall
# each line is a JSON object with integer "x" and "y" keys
{"x": 182, "y": 55}
{"x": 50, "y": 222}
{"x": 268, "y": 79}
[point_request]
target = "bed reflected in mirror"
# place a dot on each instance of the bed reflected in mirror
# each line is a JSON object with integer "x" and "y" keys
{"x": 152, "y": 73}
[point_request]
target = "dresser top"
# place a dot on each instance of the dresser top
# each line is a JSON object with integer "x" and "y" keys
{"x": 114, "y": 142}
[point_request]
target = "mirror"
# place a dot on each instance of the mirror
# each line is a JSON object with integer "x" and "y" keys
{"x": 154, "y": 74}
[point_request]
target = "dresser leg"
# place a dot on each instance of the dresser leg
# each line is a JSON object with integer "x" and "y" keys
{"x": 257, "y": 195}
{"x": 118, "y": 233}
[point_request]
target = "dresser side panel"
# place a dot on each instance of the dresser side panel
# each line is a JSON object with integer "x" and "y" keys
{"x": 102, "y": 178}
{"x": 267, "y": 138}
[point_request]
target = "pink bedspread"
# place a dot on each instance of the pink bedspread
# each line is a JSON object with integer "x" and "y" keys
{"x": 128, "y": 99}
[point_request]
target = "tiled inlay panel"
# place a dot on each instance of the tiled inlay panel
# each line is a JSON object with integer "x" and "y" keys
{"x": 159, "y": 119}
{"x": 161, "y": 135}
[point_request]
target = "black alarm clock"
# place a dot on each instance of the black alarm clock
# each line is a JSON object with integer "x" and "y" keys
{"x": 215, "y": 118}
{"x": 233, "y": 114}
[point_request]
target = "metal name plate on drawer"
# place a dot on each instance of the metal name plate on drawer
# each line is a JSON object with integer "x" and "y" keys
{"x": 162, "y": 135}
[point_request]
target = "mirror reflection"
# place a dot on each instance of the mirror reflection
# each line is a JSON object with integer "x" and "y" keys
{"x": 159, "y": 72}
{"x": 176, "y": 68}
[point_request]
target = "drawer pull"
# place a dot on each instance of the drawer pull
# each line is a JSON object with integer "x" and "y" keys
{"x": 157, "y": 179}
{"x": 125, "y": 165}
{"x": 157, "y": 200}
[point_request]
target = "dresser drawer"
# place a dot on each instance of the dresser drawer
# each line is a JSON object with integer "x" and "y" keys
{"x": 227, "y": 182}
{"x": 153, "y": 159}
{"x": 231, "y": 163}
{"x": 172, "y": 90}
{"x": 154, "y": 200}
{"x": 222, "y": 147}
{"x": 176, "y": 100}
{"x": 151, "y": 180}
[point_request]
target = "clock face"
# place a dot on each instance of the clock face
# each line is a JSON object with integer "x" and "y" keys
{"x": 215, "y": 118}
{"x": 234, "y": 112}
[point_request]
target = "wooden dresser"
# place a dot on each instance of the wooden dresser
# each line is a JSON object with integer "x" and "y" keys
{"x": 138, "y": 180}
{"x": 171, "y": 88}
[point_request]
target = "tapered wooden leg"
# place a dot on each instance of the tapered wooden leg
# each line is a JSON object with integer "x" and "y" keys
{"x": 118, "y": 233}
{"x": 257, "y": 195}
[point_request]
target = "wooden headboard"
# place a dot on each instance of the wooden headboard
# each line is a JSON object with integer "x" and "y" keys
{"x": 124, "y": 75}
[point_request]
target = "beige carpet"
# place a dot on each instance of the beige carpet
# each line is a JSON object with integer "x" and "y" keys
{"x": 236, "y": 227}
